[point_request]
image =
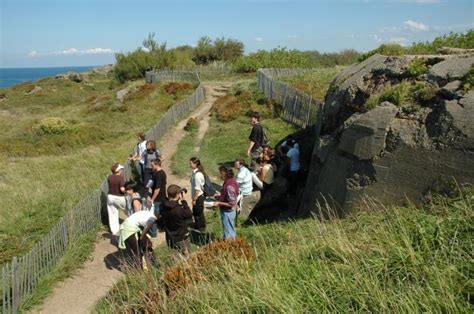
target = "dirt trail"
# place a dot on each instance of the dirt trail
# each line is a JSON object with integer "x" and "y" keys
{"x": 80, "y": 293}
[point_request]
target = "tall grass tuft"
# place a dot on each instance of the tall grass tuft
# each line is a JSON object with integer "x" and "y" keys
{"x": 400, "y": 259}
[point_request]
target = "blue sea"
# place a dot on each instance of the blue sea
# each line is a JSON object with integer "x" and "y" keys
{"x": 13, "y": 76}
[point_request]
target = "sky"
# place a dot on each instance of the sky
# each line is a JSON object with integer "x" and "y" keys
{"x": 48, "y": 33}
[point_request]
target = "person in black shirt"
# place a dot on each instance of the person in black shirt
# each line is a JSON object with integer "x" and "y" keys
{"x": 256, "y": 137}
{"x": 176, "y": 217}
{"x": 157, "y": 185}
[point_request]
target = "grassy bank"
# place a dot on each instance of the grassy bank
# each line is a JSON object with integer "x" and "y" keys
{"x": 229, "y": 128}
{"x": 401, "y": 259}
{"x": 58, "y": 142}
{"x": 315, "y": 83}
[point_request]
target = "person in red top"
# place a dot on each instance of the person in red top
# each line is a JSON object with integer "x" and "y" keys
{"x": 227, "y": 202}
{"x": 115, "y": 196}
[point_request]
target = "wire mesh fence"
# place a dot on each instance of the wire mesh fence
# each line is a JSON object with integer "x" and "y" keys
{"x": 297, "y": 107}
{"x": 21, "y": 277}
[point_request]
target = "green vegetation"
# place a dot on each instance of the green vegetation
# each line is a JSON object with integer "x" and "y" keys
{"x": 230, "y": 118}
{"x": 468, "y": 82}
{"x": 452, "y": 40}
{"x": 402, "y": 259}
{"x": 315, "y": 83}
{"x": 275, "y": 58}
{"x": 57, "y": 144}
{"x": 416, "y": 68}
{"x": 76, "y": 255}
{"x": 221, "y": 49}
{"x": 407, "y": 95}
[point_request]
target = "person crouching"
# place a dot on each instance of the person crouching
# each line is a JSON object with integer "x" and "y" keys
{"x": 176, "y": 217}
{"x": 133, "y": 234}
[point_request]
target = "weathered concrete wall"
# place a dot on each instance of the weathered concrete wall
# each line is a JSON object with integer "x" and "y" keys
{"x": 390, "y": 153}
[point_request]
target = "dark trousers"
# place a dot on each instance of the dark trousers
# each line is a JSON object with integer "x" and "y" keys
{"x": 134, "y": 250}
{"x": 147, "y": 175}
{"x": 198, "y": 213}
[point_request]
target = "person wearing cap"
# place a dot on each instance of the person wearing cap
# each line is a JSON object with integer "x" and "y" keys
{"x": 133, "y": 233}
{"x": 115, "y": 196}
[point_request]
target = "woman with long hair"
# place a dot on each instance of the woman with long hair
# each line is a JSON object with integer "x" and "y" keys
{"x": 228, "y": 202}
{"x": 197, "y": 193}
{"x": 151, "y": 153}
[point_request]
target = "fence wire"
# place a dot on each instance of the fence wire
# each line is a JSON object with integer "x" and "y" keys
{"x": 21, "y": 277}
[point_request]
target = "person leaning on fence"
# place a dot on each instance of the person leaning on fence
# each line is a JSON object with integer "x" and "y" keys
{"x": 133, "y": 233}
{"x": 227, "y": 202}
{"x": 138, "y": 155}
{"x": 115, "y": 196}
{"x": 133, "y": 200}
{"x": 197, "y": 193}
{"x": 176, "y": 217}
{"x": 151, "y": 153}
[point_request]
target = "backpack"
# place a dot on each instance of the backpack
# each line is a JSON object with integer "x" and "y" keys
{"x": 208, "y": 188}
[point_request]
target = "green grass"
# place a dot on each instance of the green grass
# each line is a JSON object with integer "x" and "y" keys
{"x": 44, "y": 174}
{"x": 314, "y": 83}
{"x": 180, "y": 160}
{"x": 400, "y": 259}
{"x": 226, "y": 141}
{"x": 67, "y": 265}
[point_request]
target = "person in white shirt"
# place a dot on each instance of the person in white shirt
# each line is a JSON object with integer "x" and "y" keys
{"x": 138, "y": 155}
{"x": 134, "y": 229}
{"x": 243, "y": 178}
{"x": 197, "y": 193}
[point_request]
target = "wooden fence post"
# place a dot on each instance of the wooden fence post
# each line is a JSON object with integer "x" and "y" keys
{"x": 15, "y": 287}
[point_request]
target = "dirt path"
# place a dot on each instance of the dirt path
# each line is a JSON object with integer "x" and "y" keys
{"x": 80, "y": 293}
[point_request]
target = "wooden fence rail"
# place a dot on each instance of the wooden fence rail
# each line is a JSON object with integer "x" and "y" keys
{"x": 21, "y": 277}
{"x": 297, "y": 107}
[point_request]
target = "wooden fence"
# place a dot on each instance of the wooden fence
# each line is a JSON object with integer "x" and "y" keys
{"x": 21, "y": 277}
{"x": 297, "y": 107}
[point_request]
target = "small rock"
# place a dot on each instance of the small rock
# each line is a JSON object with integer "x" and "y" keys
{"x": 34, "y": 90}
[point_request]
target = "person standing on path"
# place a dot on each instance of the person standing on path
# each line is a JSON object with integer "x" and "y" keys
{"x": 176, "y": 217}
{"x": 157, "y": 186}
{"x": 197, "y": 193}
{"x": 115, "y": 196}
{"x": 243, "y": 178}
{"x": 151, "y": 153}
{"x": 256, "y": 138}
{"x": 228, "y": 202}
{"x": 140, "y": 148}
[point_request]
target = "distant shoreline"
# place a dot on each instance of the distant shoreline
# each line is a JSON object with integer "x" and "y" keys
{"x": 13, "y": 76}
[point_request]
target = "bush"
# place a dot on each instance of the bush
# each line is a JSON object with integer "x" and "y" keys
{"x": 468, "y": 82}
{"x": 416, "y": 68}
{"x": 452, "y": 40}
{"x": 53, "y": 126}
{"x": 276, "y": 58}
{"x": 191, "y": 125}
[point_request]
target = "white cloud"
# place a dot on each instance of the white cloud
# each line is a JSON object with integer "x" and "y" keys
{"x": 259, "y": 39}
{"x": 415, "y": 26}
{"x": 399, "y": 40}
{"x": 377, "y": 38}
{"x": 33, "y": 54}
{"x": 78, "y": 52}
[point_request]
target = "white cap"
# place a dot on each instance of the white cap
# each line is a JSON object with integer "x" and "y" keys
{"x": 119, "y": 167}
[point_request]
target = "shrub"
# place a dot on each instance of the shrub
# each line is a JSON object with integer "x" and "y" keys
{"x": 214, "y": 255}
{"x": 468, "y": 82}
{"x": 53, "y": 126}
{"x": 172, "y": 88}
{"x": 416, "y": 68}
{"x": 191, "y": 125}
{"x": 276, "y": 58}
{"x": 384, "y": 49}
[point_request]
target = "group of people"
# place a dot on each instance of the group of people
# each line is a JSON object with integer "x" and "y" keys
{"x": 150, "y": 202}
